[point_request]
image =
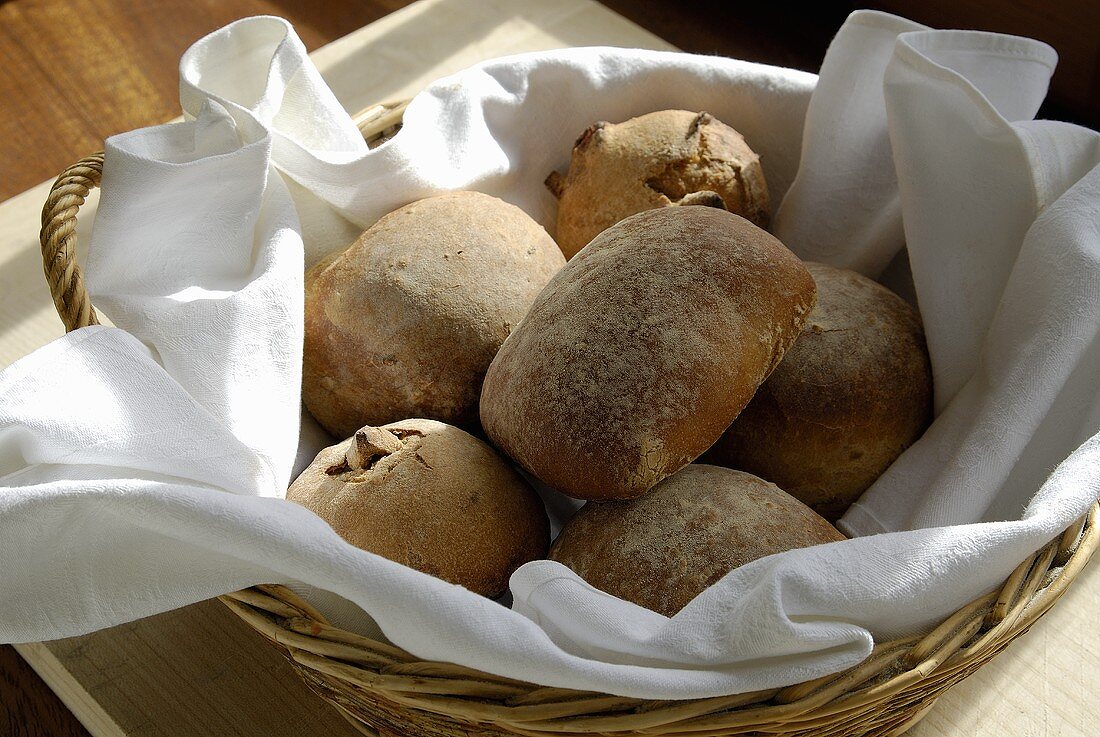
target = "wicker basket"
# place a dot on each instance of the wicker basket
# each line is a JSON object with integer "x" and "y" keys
{"x": 382, "y": 689}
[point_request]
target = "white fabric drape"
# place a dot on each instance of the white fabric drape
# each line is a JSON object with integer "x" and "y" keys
{"x": 142, "y": 467}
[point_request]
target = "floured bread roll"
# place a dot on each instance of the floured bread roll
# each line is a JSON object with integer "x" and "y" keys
{"x": 664, "y": 158}
{"x": 405, "y": 322}
{"x": 430, "y": 496}
{"x": 641, "y": 351}
{"x": 661, "y": 550}
{"x": 851, "y": 394}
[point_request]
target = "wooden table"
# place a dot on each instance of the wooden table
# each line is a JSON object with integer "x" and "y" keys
{"x": 199, "y": 670}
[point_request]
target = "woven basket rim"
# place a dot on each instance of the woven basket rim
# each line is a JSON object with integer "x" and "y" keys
{"x": 378, "y": 686}
{"x": 924, "y": 665}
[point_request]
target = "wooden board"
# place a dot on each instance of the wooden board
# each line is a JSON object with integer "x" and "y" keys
{"x": 200, "y": 671}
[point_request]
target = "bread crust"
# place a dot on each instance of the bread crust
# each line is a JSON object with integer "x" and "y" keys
{"x": 443, "y": 503}
{"x": 851, "y": 394}
{"x": 641, "y": 351}
{"x": 652, "y": 161}
{"x": 405, "y": 322}
{"x": 663, "y": 549}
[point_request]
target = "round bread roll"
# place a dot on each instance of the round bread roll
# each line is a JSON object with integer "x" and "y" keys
{"x": 405, "y": 322}
{"x": 659, "y": 159}
{"x": 661, "y": 550}
{"x": 431, "y": 497}
{"x": 640, "y": 352}
{"x": 851, "y": 394}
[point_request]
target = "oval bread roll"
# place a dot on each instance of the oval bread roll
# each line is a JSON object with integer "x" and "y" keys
{"x": 405, "y": 322}
{"x": 640, "y": 352}
{"x": 851, "y": 394}
{"x": 663, "y": 158}
{"x": 431, "y": 497}
{"x": 663, "y": 549}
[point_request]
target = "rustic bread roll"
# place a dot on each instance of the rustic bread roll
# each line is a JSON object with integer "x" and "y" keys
{"x": 851, "y": 394}
{"x": 405, "y": 322}
{"x": 431, "y": 497}
{"x": 640, "y": 352}
{"x": 663, "y": 549}
{"x": 663, "y": 158}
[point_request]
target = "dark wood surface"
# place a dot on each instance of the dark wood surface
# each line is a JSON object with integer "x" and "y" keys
{"x": 74, "y": 72}
{"x": 27, "y": 707}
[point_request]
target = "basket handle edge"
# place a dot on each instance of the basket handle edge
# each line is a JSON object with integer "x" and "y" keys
{"x": 58, "y": 240}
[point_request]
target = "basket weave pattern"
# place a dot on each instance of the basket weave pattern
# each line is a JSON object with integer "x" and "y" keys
{"x": 383, "y": 689}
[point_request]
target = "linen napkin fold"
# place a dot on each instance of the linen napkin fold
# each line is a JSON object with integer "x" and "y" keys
{"x": 141, "y": 467}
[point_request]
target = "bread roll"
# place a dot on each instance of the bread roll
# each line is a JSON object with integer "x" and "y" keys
{"x": 851, "y": 394}
{"x": 431, "y": 497}
{"x": 663, "y": 549}
{"x": 405, "y": 322}
{"x": 663, "y": 158}
{"x": 642, "y": 350}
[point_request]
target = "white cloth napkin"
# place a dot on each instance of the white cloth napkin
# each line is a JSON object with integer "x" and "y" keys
{"x": 141, "y": 467}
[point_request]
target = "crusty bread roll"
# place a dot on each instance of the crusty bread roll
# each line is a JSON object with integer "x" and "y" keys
{"x": 663, "y": 158}
{"x": 661, "y": 550}
{"x": 405, "y": 322}
{"x": 430, "y": 496}
{"x": 851, "y": 394}
{"x": 640, "y": 352}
